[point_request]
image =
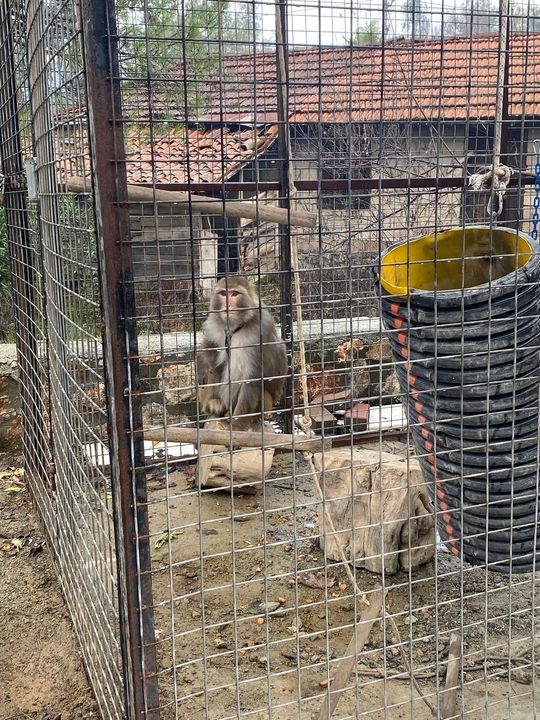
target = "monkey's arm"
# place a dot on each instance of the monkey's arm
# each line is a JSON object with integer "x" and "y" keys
{"x": 209, "y": 373}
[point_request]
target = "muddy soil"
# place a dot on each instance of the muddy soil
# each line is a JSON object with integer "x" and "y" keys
{"x": 238, "y": 634}
{"x": 41, "y": 673}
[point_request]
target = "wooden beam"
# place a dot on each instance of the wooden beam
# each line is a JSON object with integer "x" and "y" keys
{"x": 369, "y": 615}
{"x": 204, "y": 205}
{"x": 242, "y": 438}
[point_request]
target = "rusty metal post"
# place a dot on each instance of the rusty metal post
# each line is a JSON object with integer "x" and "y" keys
{"x": 120, "y": 358}
{"x": 285, "y": 271}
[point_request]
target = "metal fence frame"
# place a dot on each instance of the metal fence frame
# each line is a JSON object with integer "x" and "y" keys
{"x": 42, "y": 428}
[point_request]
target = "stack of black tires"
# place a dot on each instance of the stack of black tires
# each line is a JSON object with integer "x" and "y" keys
{"x": 468, "y": 363}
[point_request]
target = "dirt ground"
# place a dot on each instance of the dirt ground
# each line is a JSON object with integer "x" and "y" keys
{"x": 254, "y": 629}
{"x": 264, "y": 645}
{"x": 41, "y": 674}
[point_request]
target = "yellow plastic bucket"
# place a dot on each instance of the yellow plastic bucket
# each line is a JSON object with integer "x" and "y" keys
{"x": 454, "y": 259}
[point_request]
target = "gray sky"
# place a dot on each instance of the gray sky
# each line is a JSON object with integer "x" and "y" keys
{"x": 328, "y": 21}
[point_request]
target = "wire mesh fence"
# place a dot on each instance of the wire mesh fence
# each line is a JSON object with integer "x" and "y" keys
{"x": 326, "y": 507}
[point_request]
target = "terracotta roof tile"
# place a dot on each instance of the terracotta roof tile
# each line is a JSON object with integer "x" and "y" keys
{"x": 402, "y": 81}
{"x": 199, "y": 160}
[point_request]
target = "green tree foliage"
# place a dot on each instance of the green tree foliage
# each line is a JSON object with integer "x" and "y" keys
{"x": 365, "y": 34}
{"x": 7, "y": 331}
{"x": 479, "y": 17}
{"x": 526, "y": 17}
{"x": 242, "y": 27}
{"x": 5, "y": 285}
{"x": 177, "y": 46}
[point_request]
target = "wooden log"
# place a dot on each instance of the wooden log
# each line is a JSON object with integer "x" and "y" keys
{"x": 448, "y": 699}
{"x": 380, "y": 508}
{"x": 208, "y": 243}
{"x": 370, "y": 614}
{"x": 240, "y": 438}
{"x": 204, "y": 205}
{"x": 244, "y": 470}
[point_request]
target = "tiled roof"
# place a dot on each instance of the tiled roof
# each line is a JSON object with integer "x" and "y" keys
{"x": 210, "y": 155}
{"x": 421, "y": 81}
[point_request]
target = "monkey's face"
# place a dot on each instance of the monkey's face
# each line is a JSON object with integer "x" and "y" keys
{"x": 228, "y": 300}
{"x": 232, "y": 305}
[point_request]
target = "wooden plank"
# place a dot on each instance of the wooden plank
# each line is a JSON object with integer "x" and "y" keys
{"x": 448, "y": 699}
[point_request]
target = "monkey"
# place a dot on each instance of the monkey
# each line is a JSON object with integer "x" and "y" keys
{"x": 240, "y": 350}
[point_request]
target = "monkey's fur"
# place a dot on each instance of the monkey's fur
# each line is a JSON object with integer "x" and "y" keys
{"x": 241, "y": 350}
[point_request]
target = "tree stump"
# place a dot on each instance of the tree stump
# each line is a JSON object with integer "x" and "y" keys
{"x": 246, "y": 469}
{"x": 387, "y": 497}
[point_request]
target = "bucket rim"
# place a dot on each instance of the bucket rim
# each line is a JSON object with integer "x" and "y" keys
{"x": 459, "y": 292}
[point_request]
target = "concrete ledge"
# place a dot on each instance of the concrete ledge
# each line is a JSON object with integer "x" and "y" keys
{"x": 321, "y": 336}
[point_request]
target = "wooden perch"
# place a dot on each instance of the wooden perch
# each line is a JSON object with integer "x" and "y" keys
{"x": 203, "y": 205}
{"x": 369, "y": 615}
{"x": 448, "y": 699}
{"x": 241, "y": 438}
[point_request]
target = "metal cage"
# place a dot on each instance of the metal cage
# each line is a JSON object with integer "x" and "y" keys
{"x": 384, "y": 566}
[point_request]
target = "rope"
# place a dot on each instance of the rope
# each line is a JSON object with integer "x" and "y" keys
{"x": 497, "y": 176}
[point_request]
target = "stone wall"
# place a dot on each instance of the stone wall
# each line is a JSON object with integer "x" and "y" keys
{"x": 10, "y": 400}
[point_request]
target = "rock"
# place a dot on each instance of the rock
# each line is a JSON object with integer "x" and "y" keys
{"x": 390, "y": 387}
{"x": 153, "y": 414}
{"x": 177, "y": 382}
{"x": 10, "y": 401}
{"x": 374, "y": 488}
{"x": 523, "y": 676}
{"x": 380, "y": 351}
{"x": 269, "y": 607}
{"x": 295, "y": 628}
{"x": 220, "y": 643}
{"x": 361, "y": 379}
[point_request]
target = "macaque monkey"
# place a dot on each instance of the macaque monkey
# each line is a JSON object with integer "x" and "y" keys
{"x": 484, "y": 260}
{"x": 242, "y": 363}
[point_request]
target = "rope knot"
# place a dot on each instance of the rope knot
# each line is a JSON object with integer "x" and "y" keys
{"x": 305, "y": 422}
{"x": 494, "y": 177}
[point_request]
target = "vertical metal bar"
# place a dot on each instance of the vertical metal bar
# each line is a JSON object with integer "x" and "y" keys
{"x": 513, "y": 199}
{"x": 120, "y": 358}
{"x": 19, "y": 244}
{"x": 285, "y": 276}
